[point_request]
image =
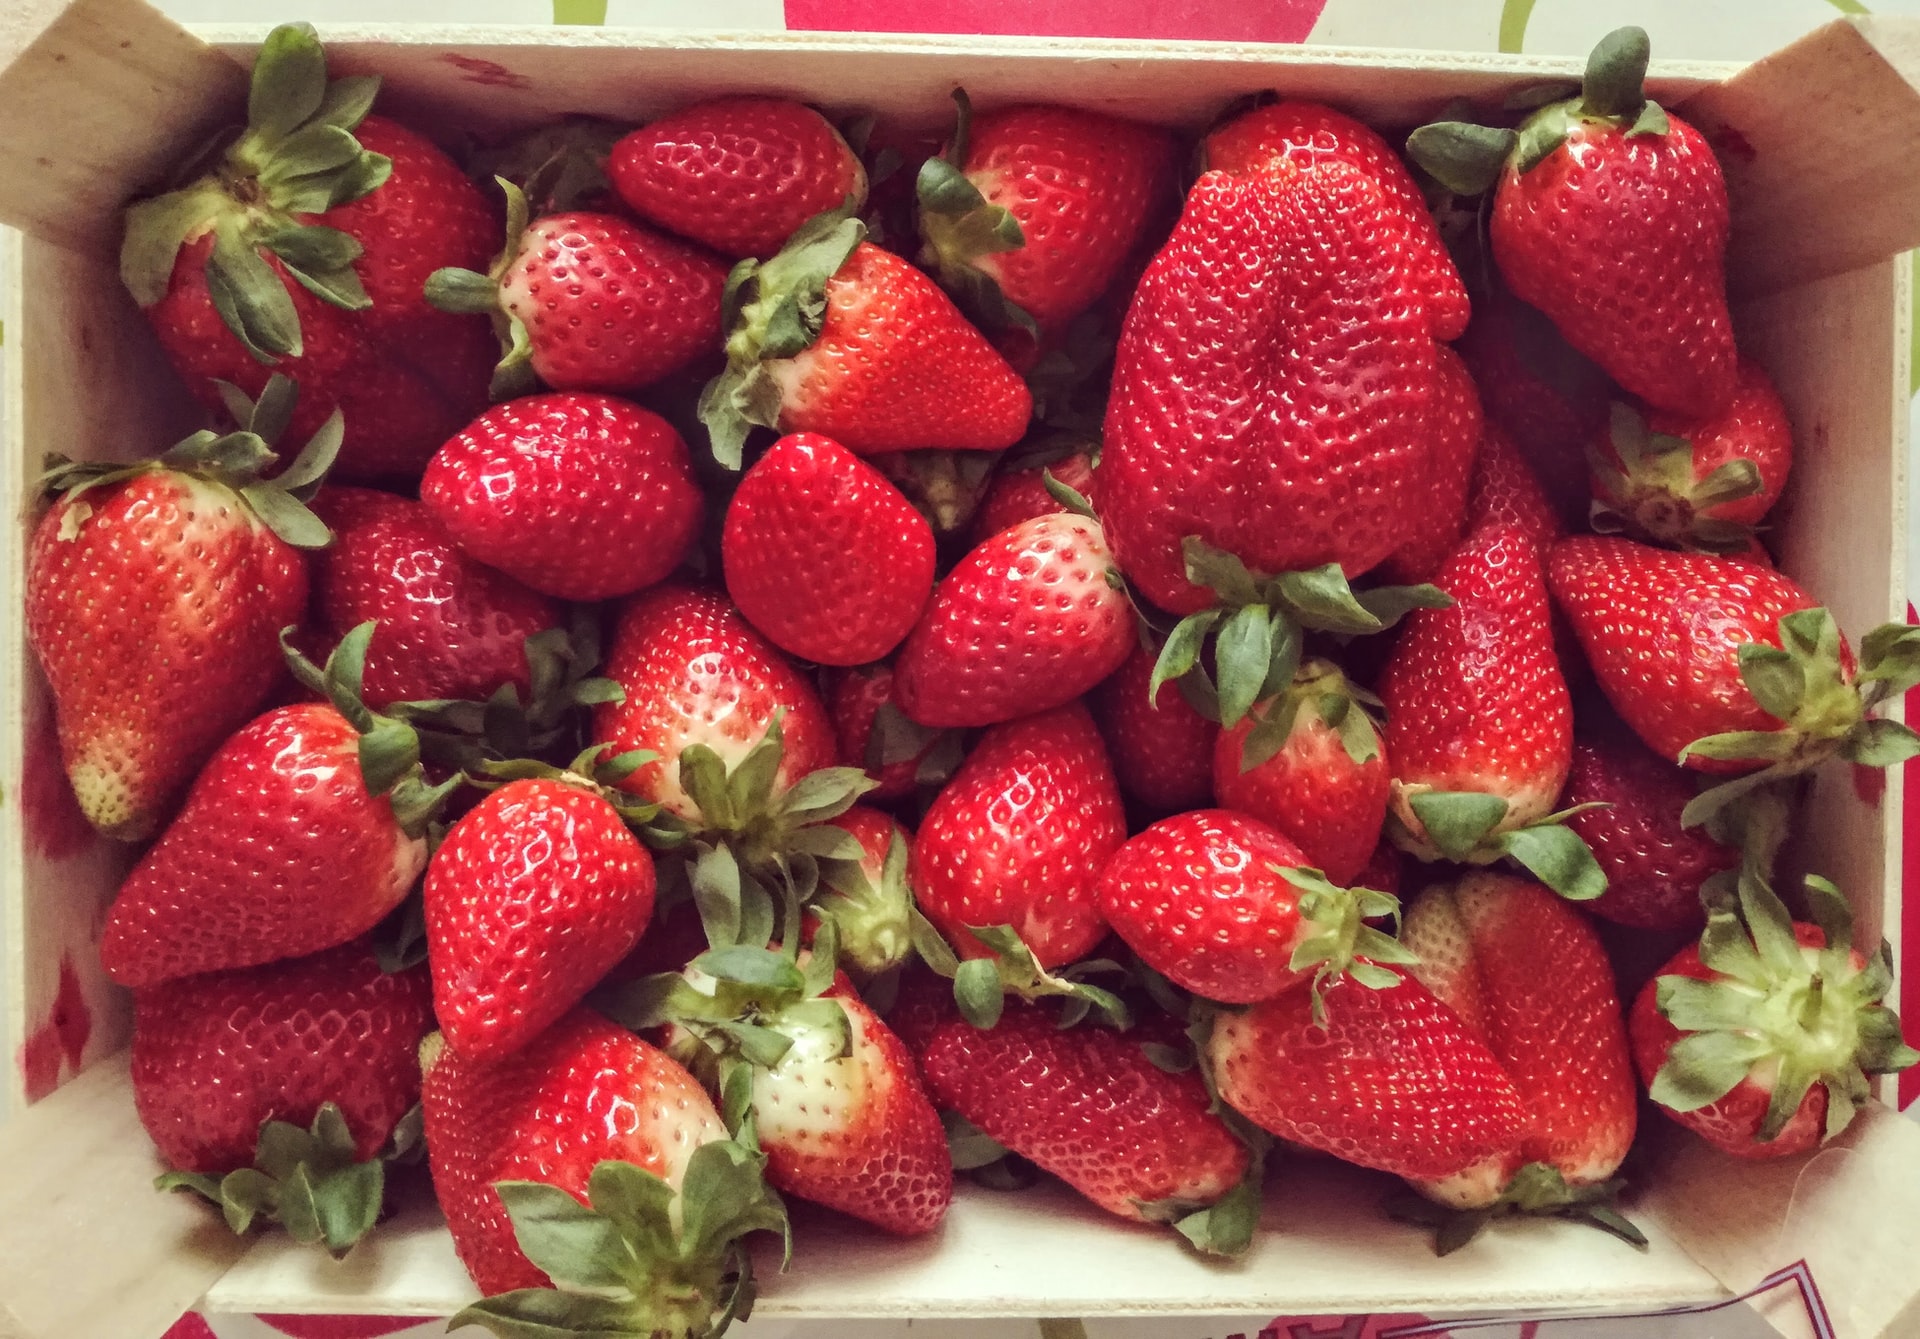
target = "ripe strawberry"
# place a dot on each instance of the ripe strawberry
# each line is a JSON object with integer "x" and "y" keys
{"x": 1020, "y": 493}
{"x": 1310, "y": 764}
{"x": 1019, "y": 836}
{"x": 1694, "y": 482}
{"x": 1031, "y": 211}
{"x": 867, "y": 898}
{"x": 1224, "y": 906}
{"x": 1162, "y": 749}
{"x": 532, "y": 897}
{"x": 1089, "y": 1106}
{"x": 876, "y": 736}
{"x": 1296, "y": 135}
{"x": 448, "y": 627}
{"x": 738, "y": 174}
{"x": 1507, "y": 491}
{"x": 823, "y": 555}
{"x": 265, "y": 264}
{"x": 1455, "y": 427}
{"x": 581, "y": 497}
{"x": 838, "y": 337}
{"x": 1760, "y": 1038}
{"x": 155, "y": 594}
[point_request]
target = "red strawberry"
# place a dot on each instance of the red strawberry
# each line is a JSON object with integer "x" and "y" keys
{"x": 876, "y": 736}
{"x": 1455, "y": 429}
{"x": 1038, "y": 207}
{"x": 1019, "y": 836}
{"x": 877, "y": 357}
{"x": 532, "y": 897}
{"x": 695, "y": 673}
{"x": 1089, "y": 1106}
{"x": 448, "y": 627}
{"x": 1021, "y": 494}
{"x": 1298, "y": 135}
{"x": 581, "y": 497}
{"x": 1694, "y": 482}
{"x": 867, "y": 898}
{"x": 265, "y": 265}
{"x": 1026, "y": 622}
{"x": 1162, "y": 749}
{"x": 1760, "y": 1038}
{"x": 1224, "y": 906}
{"x": 1507, "y": 491}
{"x": 823, "y": 555}
{"x": 1310, "y": 763}
{"x": 338, "y": 1327}
{"x": 738, "y": 174}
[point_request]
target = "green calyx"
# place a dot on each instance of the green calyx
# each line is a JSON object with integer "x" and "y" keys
{"x": 467, "y": 293}
{"x": 1537, "y": 1190}
{"x": 308, "y": 1181}
{"x": 896, "y": 738}
{"x": 1473, "y": 828}
{"x": 1319, "y": 691}
{"x": 981, "y": 985}
{"x": 1648, "y": 489}
{"x": 960, "y": 229}
{"x": 1784, "y": 1014}
{"x": 1824, "y": 712}
{"x": 1335, "y": 939}
{"x": 559, "y": 167}
{"x": 637, "y": 1258}
{"x": 1260, "y": 623}
{"x": 773, "y": 310}
{"x": 296, "y": 157}
{"x": 873, "y": 918}
{"x": 946, "y": 487}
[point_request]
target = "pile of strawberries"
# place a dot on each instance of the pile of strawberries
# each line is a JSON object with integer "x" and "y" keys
{"x": 1015, "y": 766}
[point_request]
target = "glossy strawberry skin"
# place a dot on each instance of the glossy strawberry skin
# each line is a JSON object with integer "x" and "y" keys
{"x": 1026, "y": 622}
{"x": 1663, "y": 633}
{"x": 695, "y": 673}
{"x": 609, "y": 305}
{"x": 1455, "y": 428}
{"x": 1299, "y": 135}
{"x": 158, "y": 628}
{"x": 1506, "y": 490}
{"x": 1087, "y": 1105}
{"x": 1312, "y": 791}
{"x": 278, "y": 852}
{"x": 448, "y": 627}
{"x": 1019, "y": 836}
{"x": 404, "y": 375}
{"x": 581, "y": 497}
{"x": 1237, "y": 414}
{"x": 737, "y": 174}
{"x": 854, "y": 699}
{"x": 823, "y": 555}
{"x": 1020, "y": 495}
{"x": 1162, "y": 750}
{"x": 583, "y": 1091}
{"x": 531, "y": 899}
{"x": 1622, "y": 241}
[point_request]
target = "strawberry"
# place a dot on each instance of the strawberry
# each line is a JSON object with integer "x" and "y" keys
{"x": 1611, "y": 217}
{"x": 558, "y": 165}
{"x": 1694, "y": 482}
{"x": 1507, "y": 491}
{"x": 1310, "y": 764}
{"x": 1293, "y": 135}
{"x": 1031, "y": 211}
{"x": 738, "y": 174}
{"x": 155, "y": 593}
{"x": 876, "y": 736}
{"x": 215, "y": 1058}
{"x": 1455, "y": 426}
{"x": 304, "y": 248}
{"x": 531, "y": 898}
{"x": 823, "y": 555}
{"x": 1019, "y": 836}
{"x": 581, "y": 497}
{"x": 529, "y": 1140}
{"x": 448, "y": 627}
{"x": 867, "y": 898}
{"x": 1760, "y": 1037}
{"x": 1162, "y": 749}
{"x": 835, "y": 336}
{"x": 1026, "y": 622}
{"x": 1020, "y": 493}
{"x": 1224, "y": 906}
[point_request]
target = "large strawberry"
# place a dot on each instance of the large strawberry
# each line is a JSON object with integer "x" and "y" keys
{"x": 1611, "y": 217}
{"x": 1455, "y": 426}
{"x": 823, "y": 555}
{"x": 579, "y": 496}
{"x": 1162, "y": 748}
{"x": 155, "y": 596}
{"x": 1506, "y": 490}
{"x": 1026, "y": 622}
{"x": 304, "y": 247}
{"x": 324, "y": 1046}
{"x": 740, "y": 174}
{"x": 835, "y": 336}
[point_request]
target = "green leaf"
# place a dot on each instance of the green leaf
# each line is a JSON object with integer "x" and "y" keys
{"x": 1652, "y": 120}
{"x": 932, "y": 946}
{"x": 287, "y": 516}
{"x": 969, "y": 1145}
{"x": 1743, "y": 746}
{"x": 826, "y": 842}
{"x": 1464, "y": 157}
{"x": 289, "y": 81}
{"x": 346, "y": 1204}
{"x": 1219, "y": 571}
{"x": 1226, "y": 1227}
{"x": 1729, "y": 483}
{"x": 1458, "y": 822}
{"x": 309, "y": 468}
{"x": 543, "y": 1313}
{"x": 759, "y": 969}
{"x": 1557, "y": 856}
{"x": 1067, "y": 496}
{"x": 716, "y": 894}
{"x": 347, "y": 102}
{"x": 978, "y": 992}
{"x": 1771, "y": 925}
{"x": 156, "y": 229}
{"x": 251, "y": 299}
{"x": 1270, "y": 733}
{"x": 1390, "y": 604}
{"x": 761, "y": 1046}
{"x": 1616, "y": 73}
{"x": 316, "y": 151}
{"x": 1704, "y": 1067}
{"x": 1775, "y": 679}
{"x": 1891, "y": 653}
{"x": 1242, "y": 653}
{"x": 1170, "y": 1059}
{"x": 1880, "y": 743}
{"x": 825, "y": 793}
{"x": 1322, "y": 599}
{"x": 1182, "y": 650}
{"x": 462, "y": 292}
{"x": 750, "y": 784}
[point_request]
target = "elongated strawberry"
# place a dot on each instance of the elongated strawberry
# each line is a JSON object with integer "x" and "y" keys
{"x": 1507, "y": 491}
{"x": 1026, "y": 622}
{"x": 739, "y": 174}
{"x": 1161, "y": 748}
{"x": 1310, "y": 764}
{"x": 823, "y": 555}
{"x": 579, "y": 496}
{"x": 1296, "y": 135}
{"x": 303, "y": 248}
{"x": 155, "y": 596}
{"x": 1455, "y": 426}
{"x": 838, "y": 337}
{"x": 1019, "y": 491}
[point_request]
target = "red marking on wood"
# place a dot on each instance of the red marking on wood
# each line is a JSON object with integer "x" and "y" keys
{"x": 61, "y": 1040}
{"x": 486, "y": 72}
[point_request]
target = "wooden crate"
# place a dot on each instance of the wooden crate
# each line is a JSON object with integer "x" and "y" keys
{"x": 98, "y": 95}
